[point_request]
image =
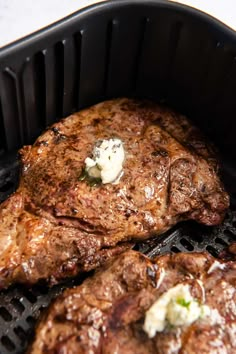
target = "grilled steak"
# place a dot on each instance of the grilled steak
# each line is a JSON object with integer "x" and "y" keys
{"x": 106, "y": 313}
{"x": 58, "y": 223}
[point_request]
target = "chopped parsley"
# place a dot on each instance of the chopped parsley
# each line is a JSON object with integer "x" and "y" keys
{"x": 91, "y": 181}
{"x": 183, "y": 302}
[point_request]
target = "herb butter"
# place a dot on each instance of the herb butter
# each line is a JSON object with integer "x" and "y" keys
{"x": 107, "y": 161}
{"x": 176, "y": 307}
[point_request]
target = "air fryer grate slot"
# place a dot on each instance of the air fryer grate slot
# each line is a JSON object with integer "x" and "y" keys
{"x": 221, "y": 242}
{"x": 18, "y": 306}
{"x": 21, "y": 334}
{"x": 212, "y": 250}
{"x": 30, "y": 296}
{"x": 184, "y": 242}
{"x": 6, "y": 316}
{"x": 230, "y": 234}
{"x": 21, "y": 306}
{"x": 175, "y": 249}
{"x": 31, "y": 321}
{"x": 8, "y": 344}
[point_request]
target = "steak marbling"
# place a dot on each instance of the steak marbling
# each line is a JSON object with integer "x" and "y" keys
{"x": 56, "y": 225}
{"x": 106, "y": 313}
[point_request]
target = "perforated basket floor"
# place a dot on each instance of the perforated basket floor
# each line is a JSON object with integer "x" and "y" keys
{"x": 20, "y": 307}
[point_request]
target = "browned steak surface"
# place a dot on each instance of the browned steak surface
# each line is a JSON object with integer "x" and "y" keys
{"x": 106, "y": 313}
{"x": 57, "y": 225}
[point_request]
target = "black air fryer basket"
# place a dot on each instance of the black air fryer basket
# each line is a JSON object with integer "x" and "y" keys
{"x": 149, "y": 49}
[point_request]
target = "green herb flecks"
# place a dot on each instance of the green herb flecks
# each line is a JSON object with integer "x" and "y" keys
{"x": 98, "y": 167}
{"x": 91, "y": 181}
{"x": 169, "y": 326}
{"x": 83, "y": 175}
{"x": 183, "y": 302}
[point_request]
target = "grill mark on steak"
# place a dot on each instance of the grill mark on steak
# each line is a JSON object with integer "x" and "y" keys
{"x": 163, "y": 182}
{"x": 114, "y": 301}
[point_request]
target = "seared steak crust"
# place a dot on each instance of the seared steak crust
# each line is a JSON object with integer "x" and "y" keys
{"x": 56, "y": 225}
{"x": 106, "y": 313}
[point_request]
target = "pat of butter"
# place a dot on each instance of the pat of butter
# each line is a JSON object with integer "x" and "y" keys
{"x": 176, "y": 307}
{"x": 107, "y": 161}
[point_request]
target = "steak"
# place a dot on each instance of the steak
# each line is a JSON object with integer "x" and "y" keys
{"x": 58, "y": 223}
{"x": 106, "y": 313}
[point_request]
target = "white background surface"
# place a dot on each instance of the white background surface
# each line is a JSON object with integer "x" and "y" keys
{"x": 19, "y": 18}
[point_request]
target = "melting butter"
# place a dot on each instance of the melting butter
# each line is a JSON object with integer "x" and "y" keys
{"x": 175, "y": 307}
{"x": 107, "y": 161}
